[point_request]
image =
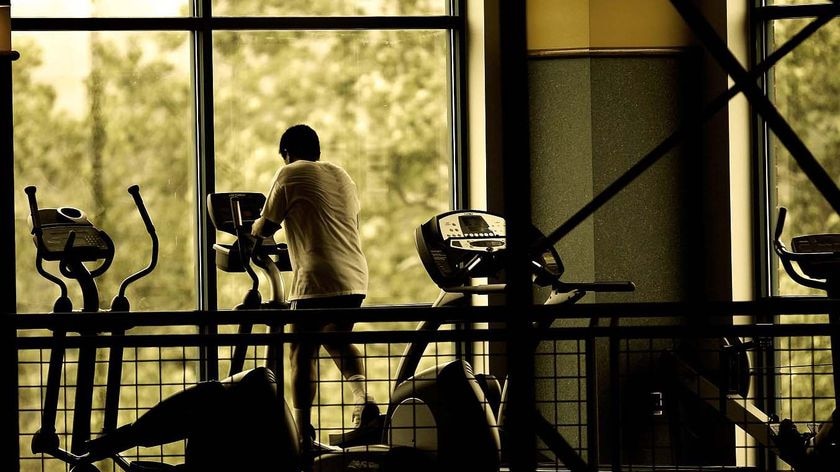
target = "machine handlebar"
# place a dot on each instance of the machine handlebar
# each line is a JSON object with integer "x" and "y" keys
{"x": 816, "y": 255}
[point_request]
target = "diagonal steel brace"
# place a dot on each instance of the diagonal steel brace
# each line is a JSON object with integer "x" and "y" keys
{"x": 681, "y": 133}
{"x": 797, "y": 148}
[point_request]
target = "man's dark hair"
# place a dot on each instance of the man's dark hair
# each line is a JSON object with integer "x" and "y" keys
{"x": 302, "y": 142}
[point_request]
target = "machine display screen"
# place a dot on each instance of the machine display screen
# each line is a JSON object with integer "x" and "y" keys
{"x": 473, "y": 224}
{"x": 249, "y": 214}
{"x": 221, "y": 213}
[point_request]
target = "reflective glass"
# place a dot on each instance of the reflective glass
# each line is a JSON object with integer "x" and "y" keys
{"x": 95, "y": 113}
{"x": 805, "y": 86}
{"x": 380, "y": 103}
{"x": 99, "y": 8}
{"x": 330, "y": 7}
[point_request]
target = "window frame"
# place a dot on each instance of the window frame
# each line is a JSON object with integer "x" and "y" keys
{"x": 202, "y": 24}
{"x": 766, "y": 271}
{"x": 762, "y": 17}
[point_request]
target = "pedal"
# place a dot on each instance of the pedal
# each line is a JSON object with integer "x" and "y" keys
{"x": 369, "y": 432}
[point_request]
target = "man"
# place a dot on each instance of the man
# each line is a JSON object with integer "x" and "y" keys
{"x": 318, "y": 204}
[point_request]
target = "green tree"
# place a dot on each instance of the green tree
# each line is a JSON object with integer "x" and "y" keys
{"x": 134, "y": 132}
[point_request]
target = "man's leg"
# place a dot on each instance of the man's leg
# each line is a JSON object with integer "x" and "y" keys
{"x": 302, "y": 356}
{"x": 347, "y": 357}
{"x": 350, "y": 361}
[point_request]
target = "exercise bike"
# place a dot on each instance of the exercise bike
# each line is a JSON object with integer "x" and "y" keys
{"x": 457, "y": 246}
{"x": 65, "y": 235}
{"x": 725, "y": 392}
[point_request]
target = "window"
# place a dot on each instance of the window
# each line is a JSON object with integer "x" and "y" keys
{"x": 380, "y": 103}
{"x": 803, "y": 86}
{"x": 108, "y": 94}
{"x": 187, "y": 98}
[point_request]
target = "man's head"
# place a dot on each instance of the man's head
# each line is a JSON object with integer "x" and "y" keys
{"x": 300, "y": 142}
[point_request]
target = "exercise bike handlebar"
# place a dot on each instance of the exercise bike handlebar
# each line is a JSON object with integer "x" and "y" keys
{"x": 134, "y": 191}
{"x": 63, "y": 302}
{"x": 120, "y": 303}
{"x": 787, "y": 257}
{"x": 545, "y": 277}
{"x": 622, "y": 286}
{"x": 245, "y": 254}
{"x": 33, "y": 209}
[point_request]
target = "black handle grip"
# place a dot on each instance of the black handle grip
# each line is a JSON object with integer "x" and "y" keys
{"x": 134, "y": 190}
{"x": 236, "y": 212}
{"x": 33, "y": 208}
{"x": 780, "y": 223}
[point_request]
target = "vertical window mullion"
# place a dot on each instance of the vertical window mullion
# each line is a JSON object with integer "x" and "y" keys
{"x": 205, "y": 176}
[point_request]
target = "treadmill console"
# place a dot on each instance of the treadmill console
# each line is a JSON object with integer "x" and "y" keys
{"x": 220, "y": 209}
{"x": 472, "y": 231}
{"x": 458, "y": 245}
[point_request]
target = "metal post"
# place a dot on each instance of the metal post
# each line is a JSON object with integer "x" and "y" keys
{"x": 520, "y": 421}
{"x": 7, "y": 239}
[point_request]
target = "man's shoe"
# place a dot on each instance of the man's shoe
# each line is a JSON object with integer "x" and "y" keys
{"x": 364, "y": 413}
{"x": 307, "y": 447}
{"x": 307, "y": 439}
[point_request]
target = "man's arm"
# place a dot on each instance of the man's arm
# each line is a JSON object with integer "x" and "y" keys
{"x": 275, "y": 206}
{"x": 263, "y": 227}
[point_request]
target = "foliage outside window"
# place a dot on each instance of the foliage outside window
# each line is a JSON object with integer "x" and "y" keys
{"x": 119, "y": 109}
{"x": 378, "y": 100}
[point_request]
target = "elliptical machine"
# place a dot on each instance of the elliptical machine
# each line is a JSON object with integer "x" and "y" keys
{"x": 725, "y": 394}
{"x": 234, "y": 213}
{"x": 238, "y": 422}
{"x": 456, "y": 247}
{"x": 65, "y": 235}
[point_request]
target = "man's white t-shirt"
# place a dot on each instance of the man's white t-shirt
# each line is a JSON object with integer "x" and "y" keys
{"x": 318, "y": 205}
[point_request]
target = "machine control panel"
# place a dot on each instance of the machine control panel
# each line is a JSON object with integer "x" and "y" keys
{"x": 58, "y": 225}
{"x": 472, "y": 231}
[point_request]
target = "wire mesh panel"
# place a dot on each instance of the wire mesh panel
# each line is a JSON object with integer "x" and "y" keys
{"x": 617, "y": 396}
{"x": 147, "y": 375}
